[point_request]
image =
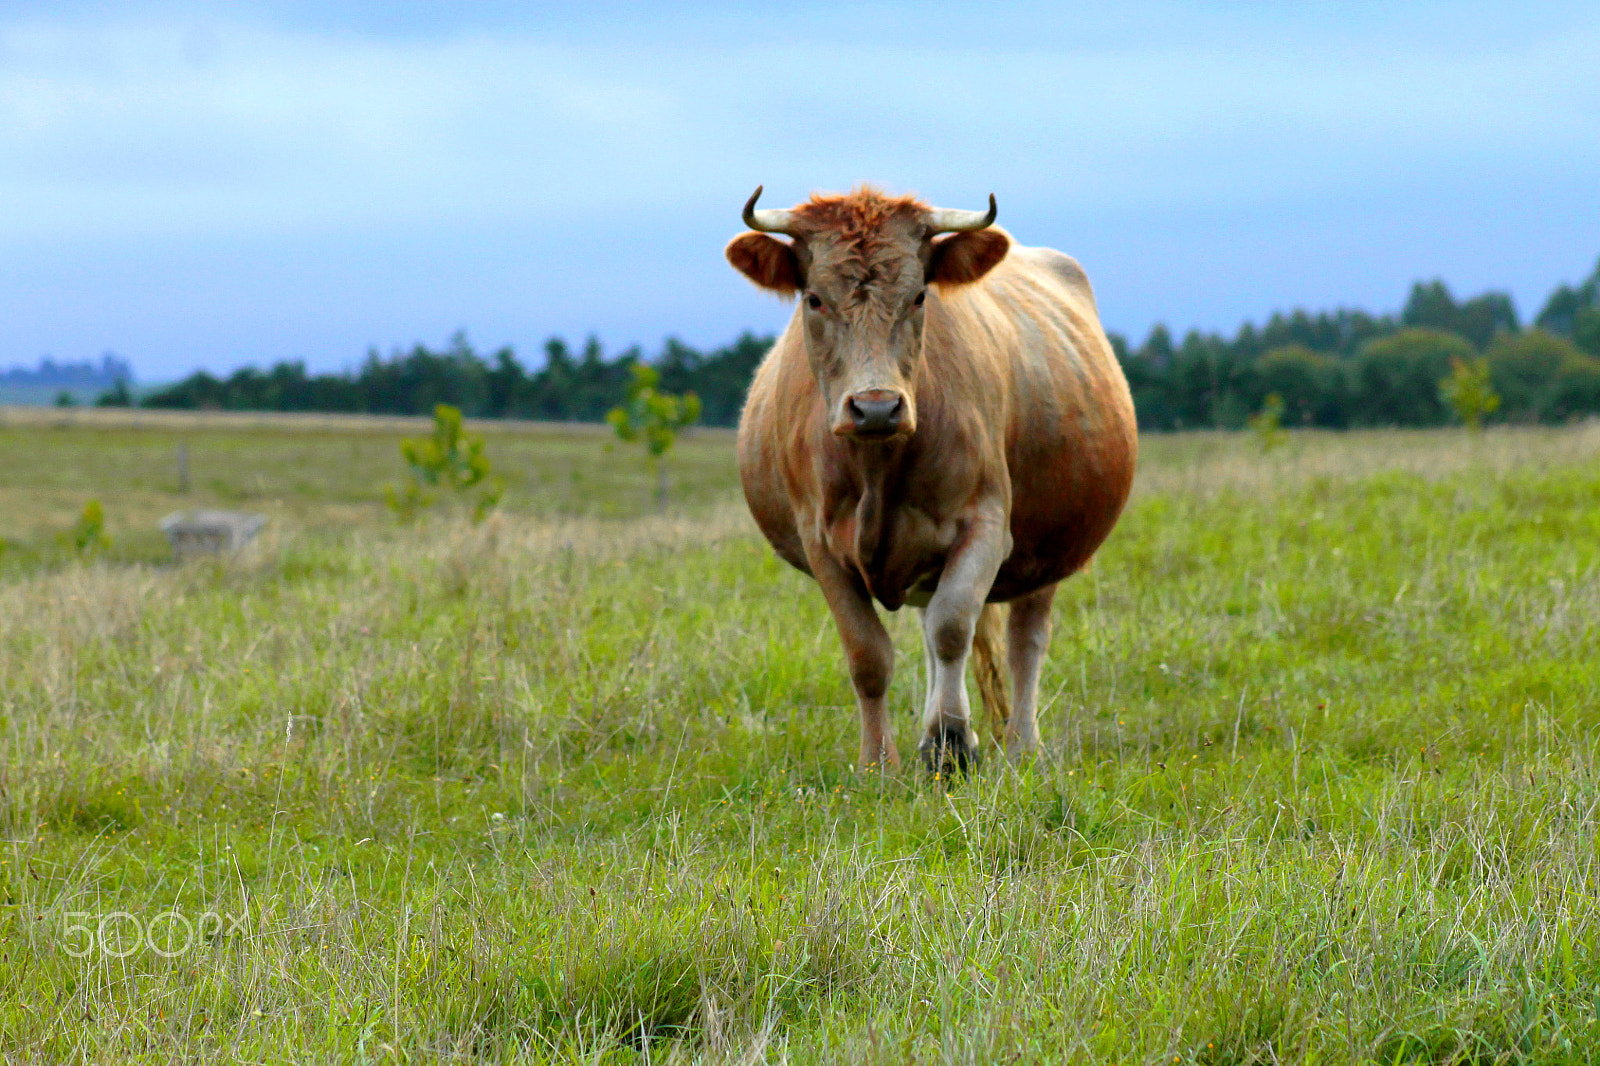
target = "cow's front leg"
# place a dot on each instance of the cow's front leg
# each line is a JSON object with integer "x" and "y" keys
{"x": 869, "y": 652}
{"x": 947, "y": 627}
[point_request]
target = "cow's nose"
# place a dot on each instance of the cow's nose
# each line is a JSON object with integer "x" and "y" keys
{"x": 875, "y": 412}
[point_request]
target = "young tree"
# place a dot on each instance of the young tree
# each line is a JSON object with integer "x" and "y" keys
{"x": 653, "y": 417}
{"x": 1267, "y": 423}
{"x": 1468, "y": 392}
{"x": 450, "y": 458}
{"x": 88, "y": 535}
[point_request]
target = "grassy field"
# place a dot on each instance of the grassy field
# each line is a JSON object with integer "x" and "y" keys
{"x": 320, "y": 475}
{"x": 1320, "y": 781}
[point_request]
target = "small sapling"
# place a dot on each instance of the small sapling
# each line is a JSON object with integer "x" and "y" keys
{"x": 653, "y": 417}
{"x": 451, "y": 458}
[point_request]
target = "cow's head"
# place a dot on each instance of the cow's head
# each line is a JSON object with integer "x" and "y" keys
{"x": 861, "y": 265}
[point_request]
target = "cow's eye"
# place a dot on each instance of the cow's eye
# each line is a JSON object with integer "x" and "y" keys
{"x": 813, "y": 301}
{"x": 921, "y": 296}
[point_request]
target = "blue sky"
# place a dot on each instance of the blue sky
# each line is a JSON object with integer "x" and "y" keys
{"x": 211, "y": 184}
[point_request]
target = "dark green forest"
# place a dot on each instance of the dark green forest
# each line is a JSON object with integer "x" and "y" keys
{"x": 1333, "y": 369}
{"x": 566, "y": 388}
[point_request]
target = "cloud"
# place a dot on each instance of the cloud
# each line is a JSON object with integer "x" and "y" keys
{"x": 125, "y": 129}
{"x": 208, "y": 127}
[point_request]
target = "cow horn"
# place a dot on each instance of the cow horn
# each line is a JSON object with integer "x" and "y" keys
{"x": 943, "y": 220}
{"x": 767, "y": 221}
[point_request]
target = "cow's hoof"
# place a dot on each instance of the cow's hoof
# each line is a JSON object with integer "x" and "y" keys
{"x": 949, "y": 752}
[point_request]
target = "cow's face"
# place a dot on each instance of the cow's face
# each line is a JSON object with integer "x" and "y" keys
{"x": 862, "y": 266}
{"x": 863, "y": 331}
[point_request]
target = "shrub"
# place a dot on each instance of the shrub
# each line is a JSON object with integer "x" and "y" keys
{"x": 1396, "y": 379}
{"x": 1310, "y": 384}
{"x": 451, "y": 458}
{"x": 1543, "y": 377}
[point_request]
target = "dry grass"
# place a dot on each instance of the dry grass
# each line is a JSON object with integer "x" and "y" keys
{"x": 303, "y": 474}
{"x": 1210, "y": 462}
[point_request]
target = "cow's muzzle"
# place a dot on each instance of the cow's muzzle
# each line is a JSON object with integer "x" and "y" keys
{"x": 876, "y": 414}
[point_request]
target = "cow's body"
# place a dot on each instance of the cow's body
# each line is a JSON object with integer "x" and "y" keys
{"x": 1017, "y": 462}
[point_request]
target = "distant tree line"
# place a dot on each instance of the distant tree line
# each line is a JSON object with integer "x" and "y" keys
{"x": 1333, "y": 369}
{"x": 567, "y": 388}
{"x": 1348, "y": 368}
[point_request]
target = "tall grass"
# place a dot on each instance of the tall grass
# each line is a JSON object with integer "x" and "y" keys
{"x": 1319, "y": 782}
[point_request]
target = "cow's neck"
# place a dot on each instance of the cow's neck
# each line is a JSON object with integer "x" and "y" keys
{"x": 864, "y": 488}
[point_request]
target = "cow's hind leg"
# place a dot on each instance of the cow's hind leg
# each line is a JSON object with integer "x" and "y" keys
{"x": 1027, "y": 639}
{"x": 988, "y": 649}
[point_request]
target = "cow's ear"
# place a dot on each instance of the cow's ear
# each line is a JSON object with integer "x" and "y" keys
{"x": 965, "y": 257}
{"x": 767, "y": 261}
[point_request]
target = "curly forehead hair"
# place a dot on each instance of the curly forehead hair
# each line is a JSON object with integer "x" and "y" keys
{"x": 858, "y": 218}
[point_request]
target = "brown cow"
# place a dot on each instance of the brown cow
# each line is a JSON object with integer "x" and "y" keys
{"x": 942, "y": 423}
